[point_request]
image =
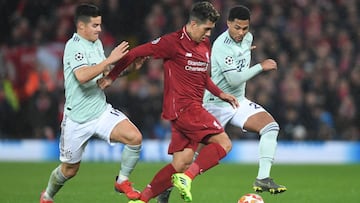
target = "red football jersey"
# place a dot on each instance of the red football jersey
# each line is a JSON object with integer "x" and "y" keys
{"x": 186, "y": 65}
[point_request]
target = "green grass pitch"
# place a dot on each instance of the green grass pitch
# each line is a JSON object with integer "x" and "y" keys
{"x": 23, "y": 182}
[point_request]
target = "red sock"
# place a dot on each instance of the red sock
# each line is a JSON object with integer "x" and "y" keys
{"x": 160, "y": 182}
{"x": 209, "y": 156}
{"x": 193, "y": 170}
{"x": 146, "y": 194}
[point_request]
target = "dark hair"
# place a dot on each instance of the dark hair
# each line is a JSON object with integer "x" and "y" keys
{"x": 85, "y": 11}
{"x": 203, "y": 11}
{"x": 239, "y": 12}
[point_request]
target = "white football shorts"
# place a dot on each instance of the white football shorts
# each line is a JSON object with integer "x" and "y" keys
{"x": 236, "y": 117}
{"x": 74, "y": 136}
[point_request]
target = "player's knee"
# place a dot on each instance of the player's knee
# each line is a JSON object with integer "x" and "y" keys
{"x": 129, "y": 137}
{"x": 70, "y": 170}
{"x": 226, "y": 144}
{"x": 135, "y": 138}
{"x": 223, "y": 140}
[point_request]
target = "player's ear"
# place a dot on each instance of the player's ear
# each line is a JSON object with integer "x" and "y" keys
{"x": 193, "y": 23}
{"x": 81, "y": 25}
{"x": 228, "y": 23}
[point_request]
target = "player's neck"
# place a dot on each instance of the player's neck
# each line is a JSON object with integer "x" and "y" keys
{"x": 188, "y": 31}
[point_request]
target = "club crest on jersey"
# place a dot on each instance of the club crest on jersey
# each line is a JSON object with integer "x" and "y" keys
{"x": 187, "y": 54}
{"x": 229, "y": 60}
{"x": 155, "y": 41}
{"x": 79, "y": 56}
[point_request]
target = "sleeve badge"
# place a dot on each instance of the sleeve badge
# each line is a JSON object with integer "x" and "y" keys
{"x": 79, "y": 56}
{"x": 229, "y": 60}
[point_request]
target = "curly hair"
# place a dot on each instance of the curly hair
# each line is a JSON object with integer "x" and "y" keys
{"x": 203, "y": 11}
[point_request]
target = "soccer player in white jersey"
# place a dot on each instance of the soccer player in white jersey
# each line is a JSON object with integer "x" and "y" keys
{"x": 86, "y": 112}
{"x": 230, "y": 69}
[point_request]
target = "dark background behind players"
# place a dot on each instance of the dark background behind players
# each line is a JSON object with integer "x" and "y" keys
{"x": 315, "y": 94}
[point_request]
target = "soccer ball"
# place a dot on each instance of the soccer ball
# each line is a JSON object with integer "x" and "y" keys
{"x": 251, "y": 198}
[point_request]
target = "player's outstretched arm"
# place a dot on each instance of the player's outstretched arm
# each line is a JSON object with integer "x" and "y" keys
{"x": 134, "y": 66}
{"x": 87, "y": 73}
{"x": 105, "y": 81}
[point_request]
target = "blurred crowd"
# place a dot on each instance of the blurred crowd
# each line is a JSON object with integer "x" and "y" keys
{"x": 314, "y": 94}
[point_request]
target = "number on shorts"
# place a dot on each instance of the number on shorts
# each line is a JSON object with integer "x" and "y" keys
{"x": 255, "y": 105}
{"x": 115, "y": 112}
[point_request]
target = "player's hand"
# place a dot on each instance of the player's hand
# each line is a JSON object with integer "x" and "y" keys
{"x": 139, "y": 62}
{"x": 118, "y": 52}
{"x": 268, "y": 64}
{"x": 134, "y": 66}
{"x": 107, "y": 70}
{"x": 104, "y": 82}
{"x": 230, "y": 99}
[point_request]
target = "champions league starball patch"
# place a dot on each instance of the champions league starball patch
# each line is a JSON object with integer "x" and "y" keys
{"x": 229, "y": 60}
{"x": 79, "y": 56}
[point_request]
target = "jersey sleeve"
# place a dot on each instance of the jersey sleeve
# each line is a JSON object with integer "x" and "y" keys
{"x": 75, "y": 56}
{"x": 231, "y": 66}
{"x": 159, "y": 48}
{"x": 163, "y": 47}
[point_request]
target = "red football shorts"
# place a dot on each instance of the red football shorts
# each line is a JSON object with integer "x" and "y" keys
{"x": 191, "y": 127}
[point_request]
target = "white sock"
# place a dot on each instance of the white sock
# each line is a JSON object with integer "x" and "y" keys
{"x": 267, "y": 148}
{"x": 56, "y": 181}
{"x": 129, "y": 158}
{"x": 121, "y": 178}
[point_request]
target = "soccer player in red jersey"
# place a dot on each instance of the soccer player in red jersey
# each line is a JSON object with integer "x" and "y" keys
{"x": 186, "y": 55}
